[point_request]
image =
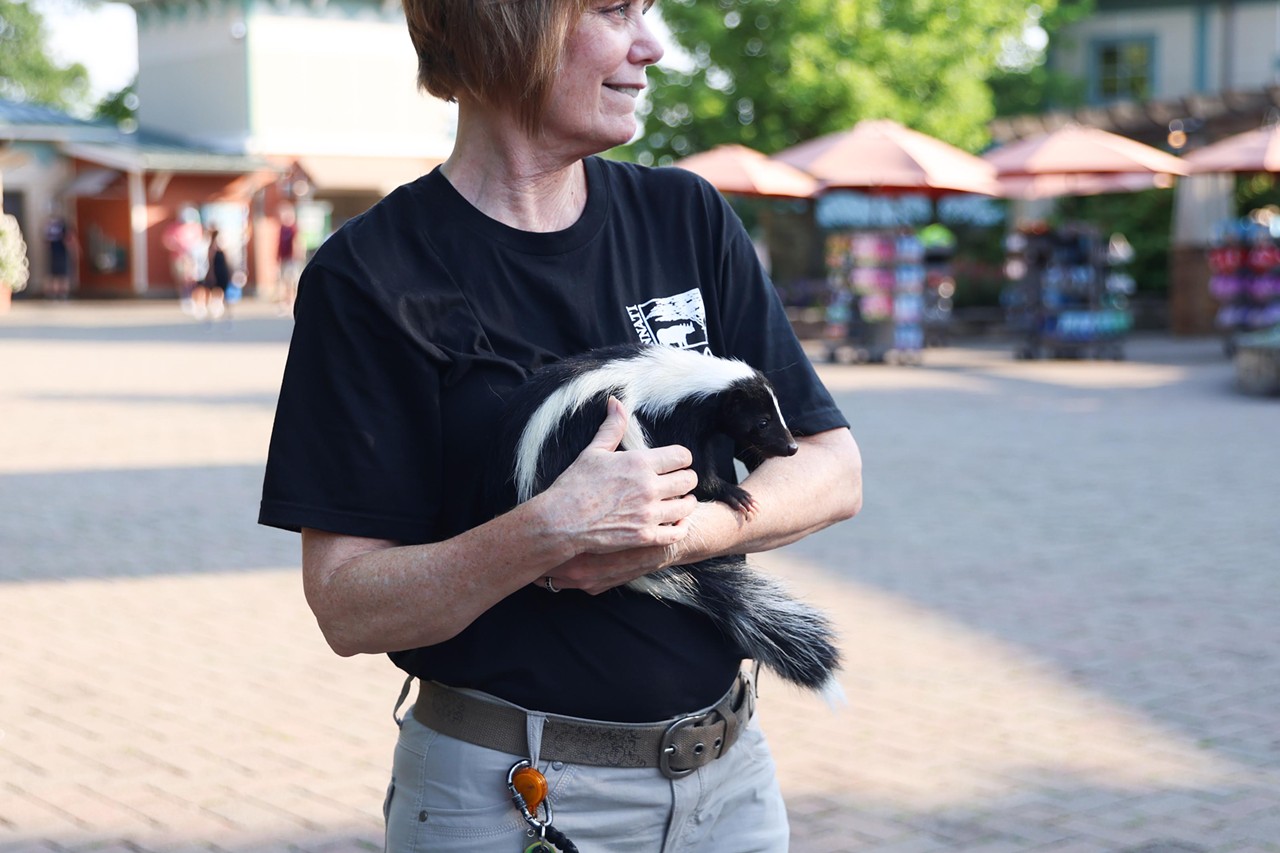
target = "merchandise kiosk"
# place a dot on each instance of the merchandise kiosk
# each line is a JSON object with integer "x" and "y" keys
{"x": 1067, "y": 292}
{"x": 877, "y": 282}
{"x": 1244, "y": 265}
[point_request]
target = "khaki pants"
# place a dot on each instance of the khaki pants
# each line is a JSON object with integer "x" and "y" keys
{"x": 449, "y": 796}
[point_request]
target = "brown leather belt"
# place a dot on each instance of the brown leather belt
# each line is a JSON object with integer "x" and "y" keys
{"x": 676, "y": 747}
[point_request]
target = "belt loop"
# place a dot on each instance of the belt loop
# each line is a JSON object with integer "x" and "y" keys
{"x": 533, "y": 724}
{"x": 404, "y": 691}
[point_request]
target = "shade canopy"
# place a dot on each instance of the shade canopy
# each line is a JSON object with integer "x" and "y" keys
{"x": 1075, "y": 150}
{"x": 880, "y": 154}
{"x": 1079, "y": 184}
{"x": 740, "y": 170}
{"x": 1252, "y": 151}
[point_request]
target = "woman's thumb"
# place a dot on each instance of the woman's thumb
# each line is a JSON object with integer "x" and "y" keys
{"x": 614, "y": 427}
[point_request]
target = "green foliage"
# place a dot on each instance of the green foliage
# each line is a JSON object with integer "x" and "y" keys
{"x": 772, "y": 73}
{"x": 120, "y": 107}
{"x": 13, "y": 254}
{"x": 26, "y": 71}
{"x": 1255, "y": 191}
{"x": 1144, "y": 218}
{"x": 1035, "y": 90}
{"x": 1034, "y": 86}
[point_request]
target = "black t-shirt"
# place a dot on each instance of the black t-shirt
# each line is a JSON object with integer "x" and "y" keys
{"x": 413, "y": 322}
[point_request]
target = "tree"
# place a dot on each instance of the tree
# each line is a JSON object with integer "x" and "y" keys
{"x": 1024, "y": 81}
{"x": 26, "y": 71}
{"x": 771, "y": 73}
{"x": 120, "y": 107}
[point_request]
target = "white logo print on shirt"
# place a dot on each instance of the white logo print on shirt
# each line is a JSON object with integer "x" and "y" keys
{"x": 676, "y": 321}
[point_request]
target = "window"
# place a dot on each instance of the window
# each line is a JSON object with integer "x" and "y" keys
{"x": 1124, "y": 70}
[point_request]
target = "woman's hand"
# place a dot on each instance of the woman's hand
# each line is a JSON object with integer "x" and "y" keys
{"x": 597, "y": 573}
{"x": 608, "y": 502}
{"x": 798, "y": 495}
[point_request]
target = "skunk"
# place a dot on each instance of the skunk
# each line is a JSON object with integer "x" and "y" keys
{"x": 681, "y": 397}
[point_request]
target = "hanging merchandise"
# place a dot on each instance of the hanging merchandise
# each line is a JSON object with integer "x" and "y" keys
{"x": 1244, "y": 279}
{"x": 883, "y": 284}
{"x": 1068, "y": 292}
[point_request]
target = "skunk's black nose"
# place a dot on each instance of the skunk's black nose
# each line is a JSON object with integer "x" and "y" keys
{"x": 792, "y": 447}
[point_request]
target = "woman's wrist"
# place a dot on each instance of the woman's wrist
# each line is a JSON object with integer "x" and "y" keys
{"x": 544, "y": 520}
{"x": 713, "y": 532}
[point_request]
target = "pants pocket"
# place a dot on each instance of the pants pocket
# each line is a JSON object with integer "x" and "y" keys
{"x": 450, "y": 797}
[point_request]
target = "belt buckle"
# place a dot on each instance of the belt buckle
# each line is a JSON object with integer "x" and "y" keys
{"x": 666, "y": 749}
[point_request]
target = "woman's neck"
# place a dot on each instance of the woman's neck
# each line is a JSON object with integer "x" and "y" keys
{"x": 509, "y": 176}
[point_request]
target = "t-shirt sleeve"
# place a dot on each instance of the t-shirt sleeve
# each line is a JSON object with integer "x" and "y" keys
{"x": 355, "y": 446}
{"x": 756, "y": 329}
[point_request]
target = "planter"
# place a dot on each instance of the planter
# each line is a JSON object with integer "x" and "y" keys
{"x": 1257, "y": 363}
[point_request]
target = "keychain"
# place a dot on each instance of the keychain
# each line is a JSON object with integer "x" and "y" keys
{"x": 529, "y": 789}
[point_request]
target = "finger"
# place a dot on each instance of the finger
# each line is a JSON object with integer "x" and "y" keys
{"x": 668, "y": 458}
{"x": 677, "y": 483}
{"x": 612, "y": 429}
{"x": 675, "y": 510}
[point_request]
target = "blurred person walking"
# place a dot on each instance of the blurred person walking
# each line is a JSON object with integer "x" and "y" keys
{"x": 63, "y": 248}
{"x": 217, "y": 282}
{"x": 288, "y": 260}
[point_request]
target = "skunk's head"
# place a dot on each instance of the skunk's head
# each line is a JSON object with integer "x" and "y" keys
{"x": 750, "y": 416}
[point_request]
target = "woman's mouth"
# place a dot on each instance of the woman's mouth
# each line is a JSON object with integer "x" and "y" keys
{"x": 630, "y": 91}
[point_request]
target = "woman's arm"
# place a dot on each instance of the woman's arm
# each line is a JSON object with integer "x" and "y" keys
{"x": 374, "y": 595}
{"x": 795, "y": 496}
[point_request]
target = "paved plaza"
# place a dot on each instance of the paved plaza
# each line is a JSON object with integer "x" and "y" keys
{"x": 1060, "y": 608}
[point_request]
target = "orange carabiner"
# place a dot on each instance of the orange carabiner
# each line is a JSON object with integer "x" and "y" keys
{"x": 528, "y": 784}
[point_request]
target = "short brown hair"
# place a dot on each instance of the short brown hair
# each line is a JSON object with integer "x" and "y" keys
{"x": 497, "y": 51}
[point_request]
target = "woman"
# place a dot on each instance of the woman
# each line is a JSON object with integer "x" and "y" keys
{"x": 412, "y": 323}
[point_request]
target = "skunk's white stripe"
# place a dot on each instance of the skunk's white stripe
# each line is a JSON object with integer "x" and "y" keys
{"x": 658, "y": 379}
{"x": 777, "y": 409}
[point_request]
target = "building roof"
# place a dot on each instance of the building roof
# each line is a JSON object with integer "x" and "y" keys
{"x": 102, "y": 142}
{"x": 28, "y": 121}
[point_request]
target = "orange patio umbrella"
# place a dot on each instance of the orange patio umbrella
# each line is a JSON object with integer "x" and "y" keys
{"x": 1054, "y": 186}
{"x": 1076, "y": 150}
{"x": 1255, "y": 150}
{"x": 740, "y": 170}
{"x": 882, "y": 155}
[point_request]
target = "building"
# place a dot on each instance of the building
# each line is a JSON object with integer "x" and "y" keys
{"x": 243, "y": 107}
{"x": 1176, "y": 74}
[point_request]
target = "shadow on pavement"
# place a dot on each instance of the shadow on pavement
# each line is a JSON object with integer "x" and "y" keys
{"x": 137, "y": 523}
{"x": 249, "y": 330}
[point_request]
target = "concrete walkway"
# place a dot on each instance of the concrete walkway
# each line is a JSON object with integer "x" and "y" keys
{"x": 1060, "y": 608}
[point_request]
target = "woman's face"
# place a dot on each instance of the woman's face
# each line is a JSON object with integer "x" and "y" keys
{"x": 593, "y": 99}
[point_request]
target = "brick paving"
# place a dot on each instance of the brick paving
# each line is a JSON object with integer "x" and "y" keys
{"x": 1058, "y": 608}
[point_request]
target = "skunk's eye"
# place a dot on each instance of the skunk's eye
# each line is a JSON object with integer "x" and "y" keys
{"x": 763, "y": 423}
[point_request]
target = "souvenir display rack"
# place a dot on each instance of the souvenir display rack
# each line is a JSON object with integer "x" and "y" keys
{"x": 877, "y": 282}
{"x": 939, "y": 290}
{"x": 1067, "y": 293}
{"x": 1244, "y": 264}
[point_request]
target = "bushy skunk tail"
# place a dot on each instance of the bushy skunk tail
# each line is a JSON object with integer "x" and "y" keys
{"x": 778, "y": 631}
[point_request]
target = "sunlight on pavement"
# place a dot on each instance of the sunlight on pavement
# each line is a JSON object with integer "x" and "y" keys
{"x": 971, "y": 371}
{"x": 222, "y": 699}
{"x": 941, "y": 715}
{"x": 80, "y": 408}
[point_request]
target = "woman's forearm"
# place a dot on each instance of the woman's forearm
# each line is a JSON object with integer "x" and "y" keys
{"x": 372, "y": 596}
{"x": 794, "y": 496}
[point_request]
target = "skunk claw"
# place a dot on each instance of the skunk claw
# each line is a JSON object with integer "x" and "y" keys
{"x": 739, "y": 499}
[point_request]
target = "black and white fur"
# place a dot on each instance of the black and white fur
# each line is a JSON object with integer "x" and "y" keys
{"x": 679, "y": 397}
